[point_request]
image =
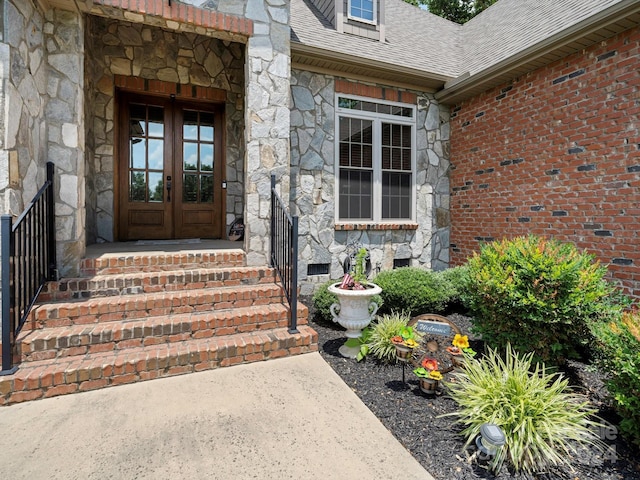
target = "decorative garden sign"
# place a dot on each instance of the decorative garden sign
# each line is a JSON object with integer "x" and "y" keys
{"x": 433, "y": 327}
{"x": 437, "y": 334}
{"x": 432, "y": 324}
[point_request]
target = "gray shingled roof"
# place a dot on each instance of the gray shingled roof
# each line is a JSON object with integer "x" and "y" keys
{"x": 511, "y": 26}
{"x": 415, "y": 38}
{"x": 430, "y": 44}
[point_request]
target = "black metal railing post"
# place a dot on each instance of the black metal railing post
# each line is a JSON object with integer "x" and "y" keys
{"x": 7, "y": 327}
{"x": 293, "y": 328}
{"x": 272, "y": 233}
{"x": 284, "y": 251}
{"x": 51, "y": 224}
{"x": 28, "y": 251}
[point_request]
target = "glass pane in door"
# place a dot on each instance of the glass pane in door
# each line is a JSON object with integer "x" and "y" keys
{"x": 146, "y": 153}
{"x": 198, "y": 157}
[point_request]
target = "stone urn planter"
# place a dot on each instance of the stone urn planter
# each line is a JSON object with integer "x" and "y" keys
{"x": 354, "y": 311}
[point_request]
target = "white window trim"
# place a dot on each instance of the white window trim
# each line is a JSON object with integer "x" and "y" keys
{"x": 377, "y": 118}
{"x": 364, "y": 20}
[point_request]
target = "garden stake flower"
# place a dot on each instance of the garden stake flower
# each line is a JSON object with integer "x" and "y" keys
{"x": 411, "y": 343}
{"x": 430, "y": 364}
{"x": 460, "y": 345}
{"x": 461, "y": 341}
{"x": 404, "y": 343}
{"x": 428, "y": 376}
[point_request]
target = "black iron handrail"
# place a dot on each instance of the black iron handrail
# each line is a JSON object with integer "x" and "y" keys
{"x": 28, "y": 261}
{"x": 284, "y": 251}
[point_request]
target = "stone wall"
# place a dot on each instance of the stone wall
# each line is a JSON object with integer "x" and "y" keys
{"x": 129, "y": 49}
{"x": 64, "y": 40}
{"x": 267, "y": 71}
{"x": 42, "y": 115}
{"x": 267, "y": 137}
{"x": 24, "y": 136}
{"x": 313, "y": 181}
{"x": 266, "y": 97}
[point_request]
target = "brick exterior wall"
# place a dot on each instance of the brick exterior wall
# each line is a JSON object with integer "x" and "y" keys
{"x": 555, "y": 153}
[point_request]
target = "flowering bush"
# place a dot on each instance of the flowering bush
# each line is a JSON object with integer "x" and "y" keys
{"x": 618, "y": 345}
{"x": 539, "y": 296}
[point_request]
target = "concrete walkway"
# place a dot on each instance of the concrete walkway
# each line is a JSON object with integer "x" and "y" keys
{"x": 290, "y": 418}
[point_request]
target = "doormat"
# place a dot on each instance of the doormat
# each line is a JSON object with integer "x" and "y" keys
{"x": 168, "y": 242}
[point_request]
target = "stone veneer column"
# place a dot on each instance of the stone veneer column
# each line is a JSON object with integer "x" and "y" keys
{"x": 64, "y": 113}
{"x": 42, "y": 117}
{"x": 267, "y": 119}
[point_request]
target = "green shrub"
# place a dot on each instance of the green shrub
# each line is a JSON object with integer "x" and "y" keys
{"x": 414, "y": 290}
{"x": 455, "y": 278}
{"x": 619, "y": 345}
{"x": 380, "y": 332}
{"x": 543, "y": 422}
{"x": 323, "y": 299}
{"x": 538, "y": 295}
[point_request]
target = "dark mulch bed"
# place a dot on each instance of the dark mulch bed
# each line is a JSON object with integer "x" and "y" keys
{"x": 415, "y": 419}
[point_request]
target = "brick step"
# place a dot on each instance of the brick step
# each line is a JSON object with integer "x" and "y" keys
{"x": 114, "y": 264}
{"x": 156, "y": 281}
{"x": 48, "y": 378}
{"x": 130, "y": 307}
{"x": 48, "y": 343}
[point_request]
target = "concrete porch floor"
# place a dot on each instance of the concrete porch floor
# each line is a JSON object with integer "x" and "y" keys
{"x": 98, "y": 250}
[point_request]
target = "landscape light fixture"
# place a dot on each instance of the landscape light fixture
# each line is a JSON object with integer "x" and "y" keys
{"x": 490, "y": 440}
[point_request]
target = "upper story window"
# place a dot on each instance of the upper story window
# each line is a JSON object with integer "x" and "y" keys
{"x": 375, "y": 164}
{"x": 362, "y": 10}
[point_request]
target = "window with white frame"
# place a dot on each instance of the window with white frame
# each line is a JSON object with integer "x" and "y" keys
{"x": 362, "y": 10}
{"x": 375, "y": 164}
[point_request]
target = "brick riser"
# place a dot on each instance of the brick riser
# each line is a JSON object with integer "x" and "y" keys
{"x": 43, "y": 379}
{"x": 142, "y": 317}
{"x": 150, "y": 282}
{"x": 48, "y": 343}
{"x": 130, "y": 307}
{"x": 116, "y": 265}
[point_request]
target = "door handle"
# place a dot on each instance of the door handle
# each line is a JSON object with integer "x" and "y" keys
{"x": 168, "y": 188}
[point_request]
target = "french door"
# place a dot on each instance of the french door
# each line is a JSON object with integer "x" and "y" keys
{"x": 170, "y": 169}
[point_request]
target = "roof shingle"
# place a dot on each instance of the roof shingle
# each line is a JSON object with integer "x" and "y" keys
{"x": 436, "y": 47}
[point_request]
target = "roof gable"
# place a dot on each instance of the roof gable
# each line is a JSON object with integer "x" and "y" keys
{"x": 504, "y": 41}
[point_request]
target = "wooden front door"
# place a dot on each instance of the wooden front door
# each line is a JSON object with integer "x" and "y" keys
{"x": 170, "y": 169}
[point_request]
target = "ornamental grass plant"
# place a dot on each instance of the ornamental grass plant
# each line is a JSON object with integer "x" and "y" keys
{"x": 381, "y": 332}
{"x": 545, "y": 424}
